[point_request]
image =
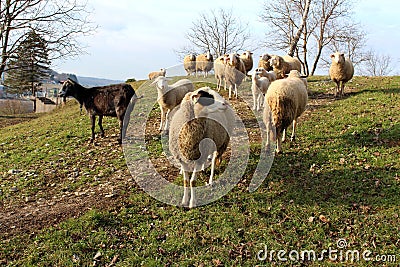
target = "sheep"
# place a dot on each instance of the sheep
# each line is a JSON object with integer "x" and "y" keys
{"x": 204, "y": 63}
{"x": 259, "y": 87}
{"x": 234, "y": 73}
{"x": 286, "y": 99}
{"x": 155, "y": 74}
{"x": 264, "y": 62}
{"x": 203, "y": 116}
{"x": 170, "y": 96}
{"x": 283, "y": 65}
{"x": 271, "y": 75}
{"x": 189, "y": 63}
{"x": 219, "y": 71}
{"x": 247, "y": 59}
{"x": 112, "y": 100}
{"x": 341, "y": 71}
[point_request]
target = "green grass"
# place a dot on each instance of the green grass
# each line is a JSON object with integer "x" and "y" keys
{"x": 340, "y": 179}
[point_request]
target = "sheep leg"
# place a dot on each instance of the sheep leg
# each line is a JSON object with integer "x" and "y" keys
{"x": 193, "y": 201}
{"x": 100, "y": 123}
{"x": 342, "y": 89}
{"x": 255, "y": 99}
{"x": 230, "y": 91}
{"x": 214, "y": 158}
{"x": 278, "y": 142}
{"x": 284, "y": 135}
{"x": 236, "y": 92}
{"x": 163, "y": 112}
{"x": 166, "y": 126}
{"x": 185, "y": 199}
{"x": 293, "y": 137}
{"x": 260, "y": 103}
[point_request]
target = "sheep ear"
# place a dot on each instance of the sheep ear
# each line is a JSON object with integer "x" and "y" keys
{"x": 194, "y": 98}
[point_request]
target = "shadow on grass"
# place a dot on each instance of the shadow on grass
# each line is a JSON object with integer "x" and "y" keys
{"x": 306, "y": 179}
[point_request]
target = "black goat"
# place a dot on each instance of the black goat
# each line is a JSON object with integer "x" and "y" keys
{"x": 111, "y": 100}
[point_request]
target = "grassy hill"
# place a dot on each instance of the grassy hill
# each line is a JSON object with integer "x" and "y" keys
{"x": 64, "y": 202}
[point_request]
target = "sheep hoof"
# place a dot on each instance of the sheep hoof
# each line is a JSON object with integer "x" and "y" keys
{"x": 185, "y": 202}
{"x": 192, "y": 204}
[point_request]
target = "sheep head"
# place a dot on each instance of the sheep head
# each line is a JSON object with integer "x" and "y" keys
{"x": 338, "y": 57}
{"x": 231, "y": 59}
{"x": 207, "y": 101}
{"x": 161, "y": 83}
{"x": 276, "y": 61}
{"x": 265, "y": 57}
{"x": 247, "y": 54}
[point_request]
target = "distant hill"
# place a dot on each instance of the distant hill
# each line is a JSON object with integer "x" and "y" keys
{"x": 90, "y": 81}
{"x": 84, "y": 81}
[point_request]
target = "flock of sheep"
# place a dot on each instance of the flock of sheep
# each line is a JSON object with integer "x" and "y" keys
{"x": 202, "y": 123}
{"x": 204, "y": 114}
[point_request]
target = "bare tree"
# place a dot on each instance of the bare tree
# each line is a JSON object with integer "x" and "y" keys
{"x": 304, "y": 28}
{"x": 60, "y": 22}
{"x": 377, "y": 65}
{"x": 218, "y": 32}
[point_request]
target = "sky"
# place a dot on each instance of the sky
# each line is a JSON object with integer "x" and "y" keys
{"x": 134, "y": 38}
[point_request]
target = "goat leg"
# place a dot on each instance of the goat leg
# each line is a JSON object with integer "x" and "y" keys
{"x": 101, "y": 125}
{"x": 93, "y": 120}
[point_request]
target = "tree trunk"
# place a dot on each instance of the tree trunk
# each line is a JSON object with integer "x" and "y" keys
{"x": 296, "y": 38}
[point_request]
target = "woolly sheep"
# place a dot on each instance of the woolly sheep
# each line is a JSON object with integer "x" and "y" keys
{"x": 234, "y": 73}
{"x": 204, "y": 63}
{"x": 341, "y": 71}
{"x": 247, "y": 59}
{"x": 287, "y": 100}
{"x": 259, "y": 87}
{"x": 219, "y": 71}
{"x": 155, "y": 74}
{"x": 264, "y": 62}
{"x": 202, "y": 115}
{"x": 271, "y": 75}
{"x": 283, "y": 65}
{"x": 189, "y": 63}
{"x": 170, "y": 96}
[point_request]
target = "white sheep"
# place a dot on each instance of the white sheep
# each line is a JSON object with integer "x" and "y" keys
{"x": 234, "y": 73}
{"x": 271, "y": 75}
{"x": 341, "y": 71}
{"x": 259, "y": 87}
{"x": 287, "y": 100}
{"x": 201, "y": 127}
{"x": 283, "y": 65}
{"x": 155, "y": 74}
{"x": 170, "y": 96}
{"x": 204, "y": 63}
{"x": 219, "y": 71}
{"x": 189, "y": 63}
